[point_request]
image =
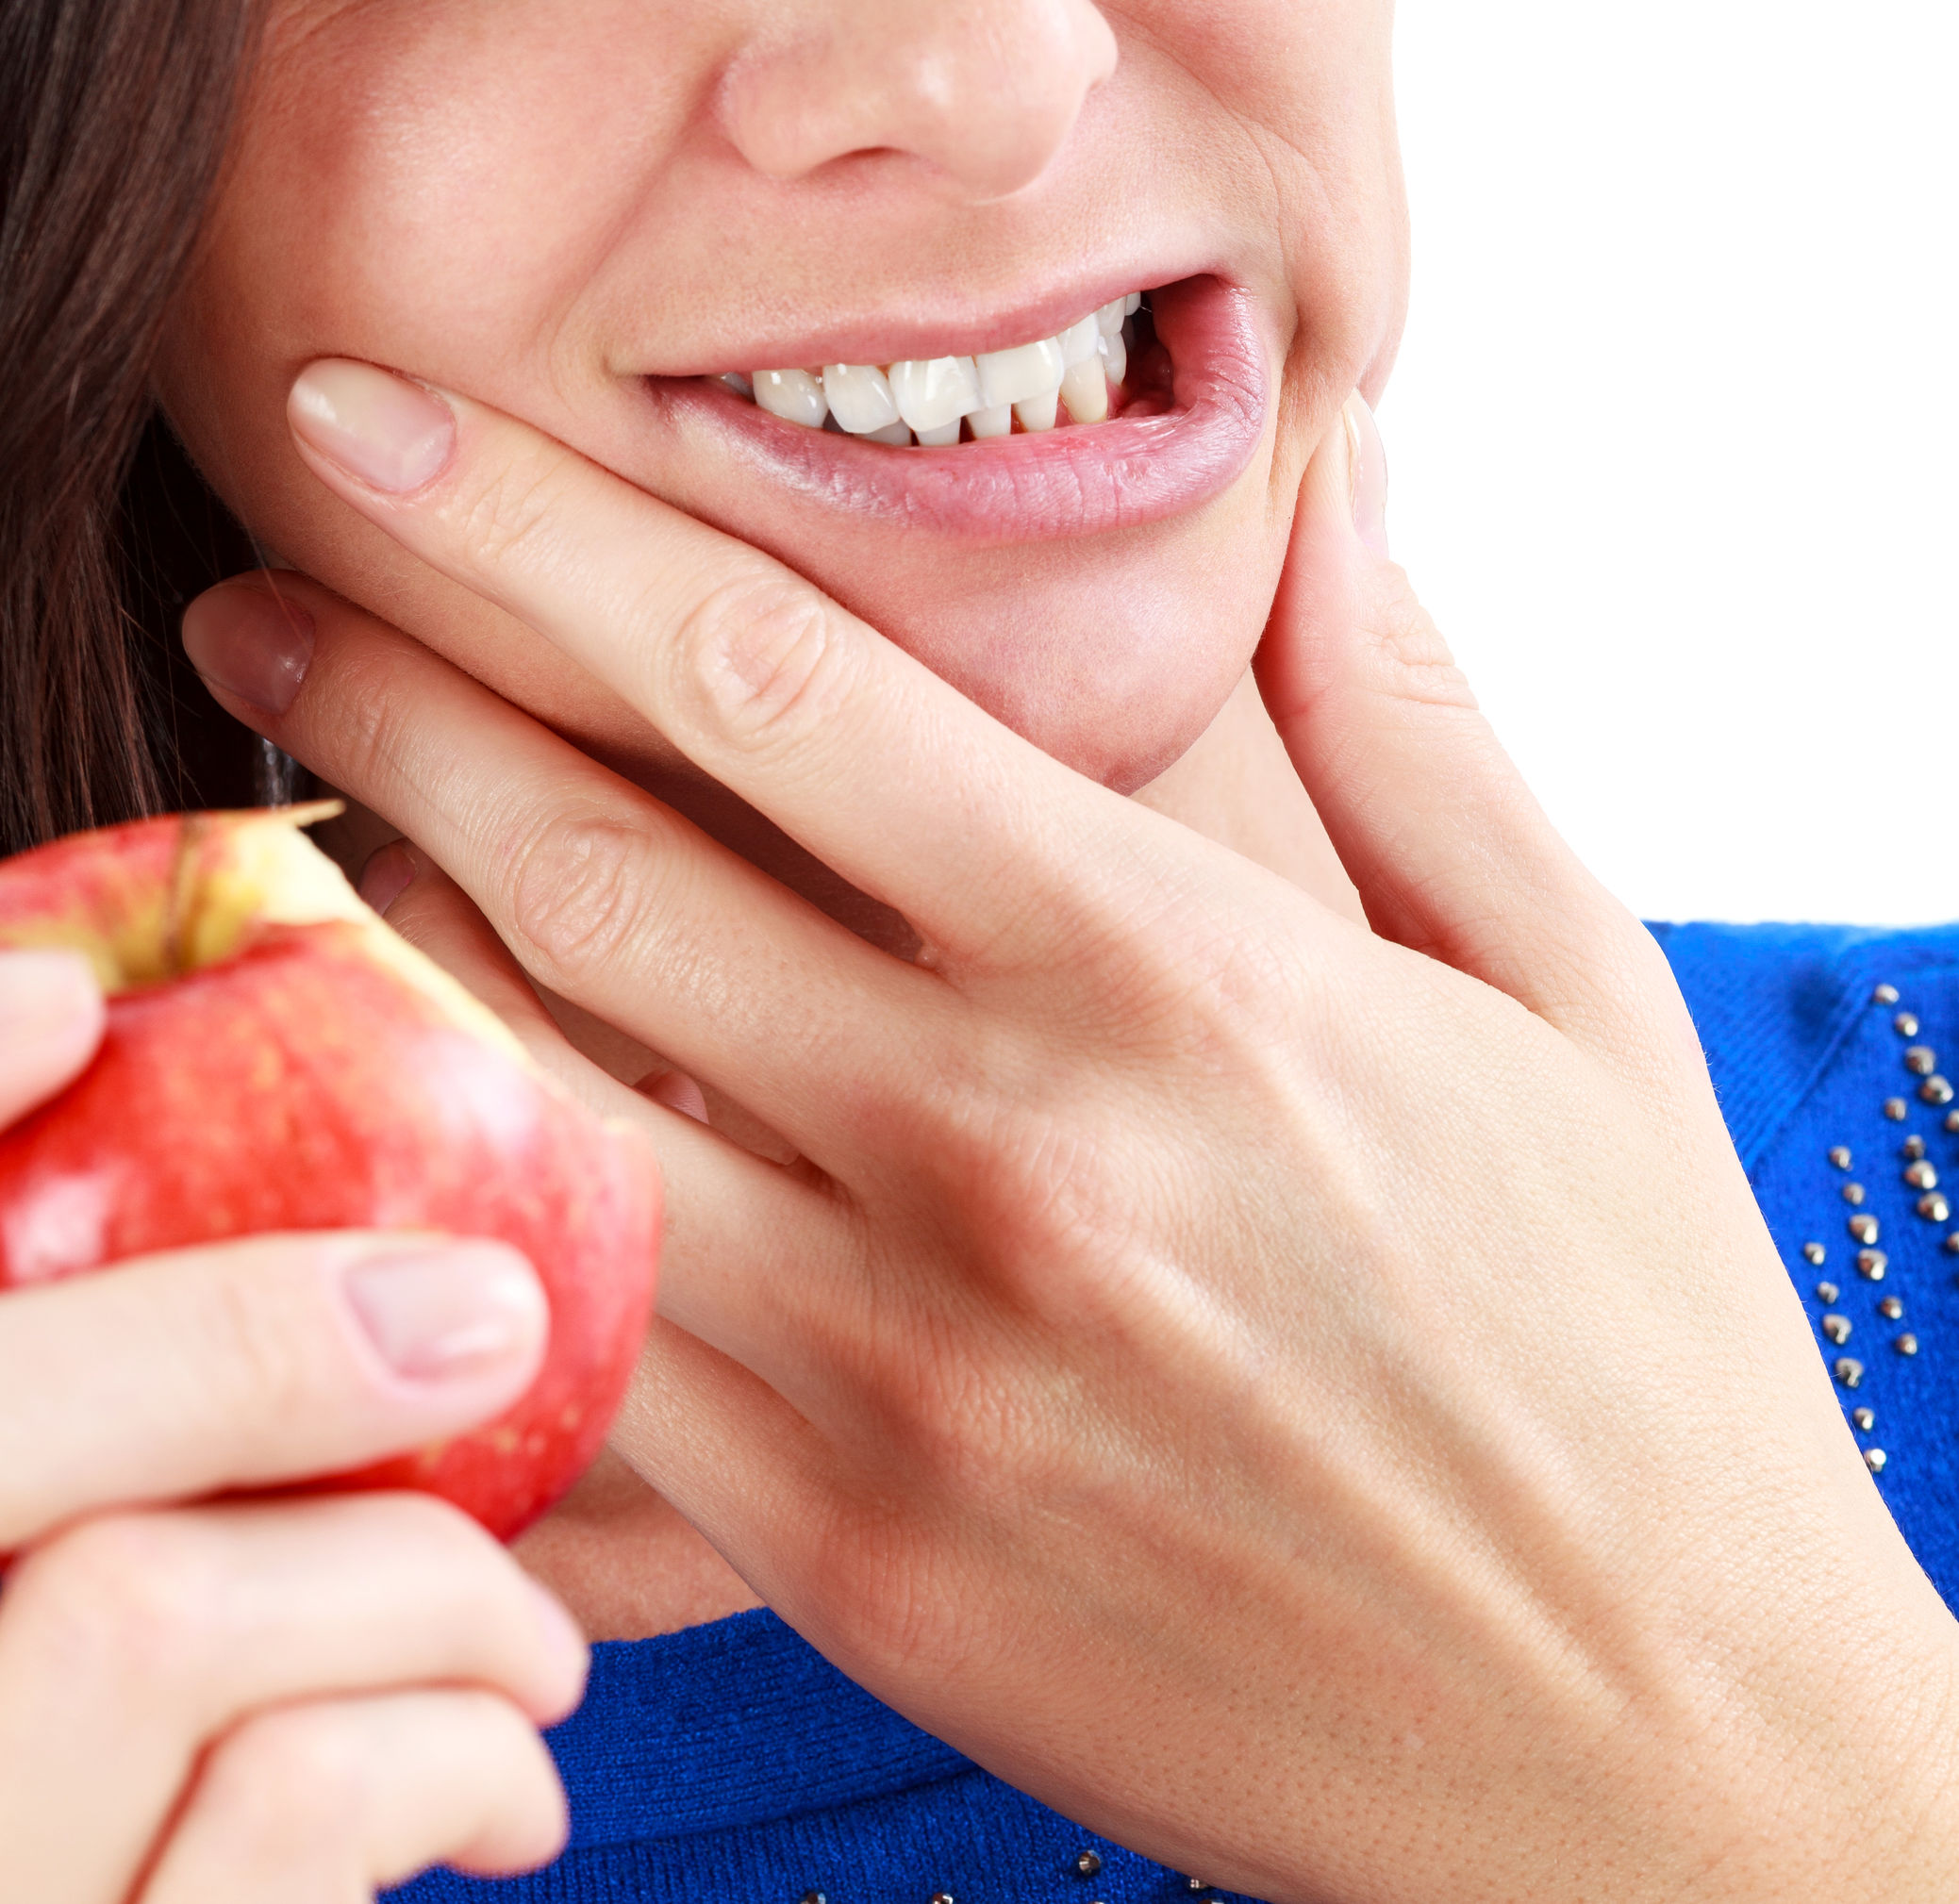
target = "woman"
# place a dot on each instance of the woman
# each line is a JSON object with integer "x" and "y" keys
{"x": 1234, "y": 1309}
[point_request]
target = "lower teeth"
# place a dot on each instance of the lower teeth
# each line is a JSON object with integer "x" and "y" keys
{"x": 942, "y": 401}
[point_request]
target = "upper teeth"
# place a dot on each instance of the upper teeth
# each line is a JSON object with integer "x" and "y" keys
{"x": 932, "y": 397}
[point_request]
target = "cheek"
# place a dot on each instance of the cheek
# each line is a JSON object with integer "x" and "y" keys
{"x": 435, "y": 184}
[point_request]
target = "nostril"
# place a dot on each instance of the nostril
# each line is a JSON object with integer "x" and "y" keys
{"x": 985, "y": 95}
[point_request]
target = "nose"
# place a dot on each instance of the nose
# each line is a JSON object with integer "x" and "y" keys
{"x": 987, "y": 92}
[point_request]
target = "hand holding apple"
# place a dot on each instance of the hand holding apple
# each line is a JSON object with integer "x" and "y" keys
{"x": 275, "y": 1060}
{"x": 166, "y": 1674}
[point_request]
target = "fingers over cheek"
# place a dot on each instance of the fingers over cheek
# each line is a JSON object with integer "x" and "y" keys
{"x": 1451, "y": 853}
{"x": 882, "y": 769}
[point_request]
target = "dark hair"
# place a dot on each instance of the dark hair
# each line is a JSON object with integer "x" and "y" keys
{"x": 114, "y": 118}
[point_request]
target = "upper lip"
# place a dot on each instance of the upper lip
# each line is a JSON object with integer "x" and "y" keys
{"x": 893, "y": 336}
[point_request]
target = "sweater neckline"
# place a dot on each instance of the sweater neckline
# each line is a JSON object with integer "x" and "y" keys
{"x": 739, "y": 1722}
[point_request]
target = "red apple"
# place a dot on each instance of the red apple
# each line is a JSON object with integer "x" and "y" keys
{"x": 277, "y": 1059}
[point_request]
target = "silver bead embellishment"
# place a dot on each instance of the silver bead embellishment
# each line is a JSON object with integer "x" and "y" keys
{"x": 1890, "y": 1308}
{"x": 1088, "y": 1864}
{"x": 1874, "y": 1459}
{"x": 1885, "y": 995}
{"x": 1934, "y": 1208}
{"x": 1922, "y": 1176}
{"x": 1953, "y": 1244}
{"x": 1827, "y": 1292}
{"x": 1905, "y": 1025}
{"x": 1872, "y": 1264}
{"x": 1952, "y": 1120}
{"x": 1847, "y": 1370}
{"x": 1914, "y": 1150}
{"x": 941, "y": 1897}
{"x": 1866, "y": 1419}
{"x": 1813, "y": 1254}
{"x": 1895, "y": 1109}
{"x": 1907, "y": 1344}
{"x": 1837, "y": 1328}
{"x": 1853, "y": 1192}
{"x": 1922, "y": 1061}
{"x": 1841, "y": 1155}
{"x": 1864, "y": 1229}
{"x": 814, "y": 1898}
{"x": 1935, "y": 1090}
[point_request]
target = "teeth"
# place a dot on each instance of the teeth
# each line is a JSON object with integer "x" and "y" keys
{"x": 1037, "y": 413}
{"x": 1078, "y": 342}
{"x": 795, "y": 395}
{"x": 938, "y": 397}
{"x": 1021, "y": 374}
{"x": 1086, "y": 391}
{"x": 934, "y": 391}
{"x": 861, "y": 399}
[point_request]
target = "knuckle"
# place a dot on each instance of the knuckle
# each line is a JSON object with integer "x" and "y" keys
{"x": 580, "y": 888}
{"x": 503, "y": 515}
{"x": 281, "y": 1808}
{"x": 249, "y": 1363}
{"x": 133, "y": 1599}
{"x": 770, "y": 658}
{"x": 299, "y": 1772}
{"x": 369, "y": 734}
{"x": 1413, "y": 659}
{"x": 902, "y": 1603}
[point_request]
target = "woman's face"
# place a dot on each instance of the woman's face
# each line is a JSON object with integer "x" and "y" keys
{"x": 583, "y": 210}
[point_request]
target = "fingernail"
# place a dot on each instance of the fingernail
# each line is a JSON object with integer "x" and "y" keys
{"x": 1367, "y": 473}
{"x": 677, "y": 1092}
{"x": 47, "y": 1000}
{"x": 381, "y": 429}
{"x": 253, "y": 644}
{"x": 388, "y": 873}
{"x": 441, "y": 1315}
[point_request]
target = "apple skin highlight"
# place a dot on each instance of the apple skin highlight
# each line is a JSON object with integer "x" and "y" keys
{"x": 278, "y": 1060}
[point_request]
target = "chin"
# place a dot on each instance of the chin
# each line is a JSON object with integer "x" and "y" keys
{"x": 1112, "y": 655}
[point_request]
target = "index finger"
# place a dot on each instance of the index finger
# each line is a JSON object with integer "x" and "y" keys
{"x": 879, "y": 767}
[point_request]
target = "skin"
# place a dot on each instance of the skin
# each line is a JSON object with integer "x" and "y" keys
{"x": 1054, "y": 1307}
{"x": 233, "y": 1702}
{"x": 714, "y": 179}
{"x": 810, "y": 131}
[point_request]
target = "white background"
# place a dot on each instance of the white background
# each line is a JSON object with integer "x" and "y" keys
{"x": 1674, "y": 437}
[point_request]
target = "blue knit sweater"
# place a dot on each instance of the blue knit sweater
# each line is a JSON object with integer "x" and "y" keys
{"x": 732, "y": 1765}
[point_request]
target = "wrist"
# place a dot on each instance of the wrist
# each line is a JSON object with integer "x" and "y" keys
{"x": 1843, "y": 1777}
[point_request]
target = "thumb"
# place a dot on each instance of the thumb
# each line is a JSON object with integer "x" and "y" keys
{"x": 1451, "y": 853}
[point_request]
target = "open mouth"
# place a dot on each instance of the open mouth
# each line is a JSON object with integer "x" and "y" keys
{"x": 1075, "y": 378}
{"x": 1147, "y": 405}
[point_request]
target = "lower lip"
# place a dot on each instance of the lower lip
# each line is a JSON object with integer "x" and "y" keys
{"x": 1168, "y": 451}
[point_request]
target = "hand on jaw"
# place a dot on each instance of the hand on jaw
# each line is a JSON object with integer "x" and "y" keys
{"x": 1128, "y": 1383}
